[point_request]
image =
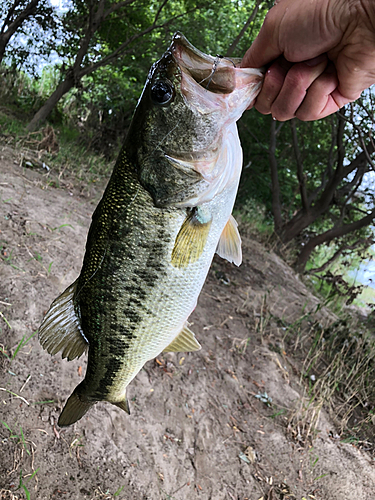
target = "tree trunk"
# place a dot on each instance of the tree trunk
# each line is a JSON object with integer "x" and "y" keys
{"x": 51, "y": 102}
{"x": 276, "y": 203}
{"x": 77, "y": 72}
{"x": 302, "y": 219}
{"x": 3, "y": 44}
{"x": 330, "y": 235}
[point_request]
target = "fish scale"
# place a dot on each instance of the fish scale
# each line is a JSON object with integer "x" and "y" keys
{"x": 166, "y": 210}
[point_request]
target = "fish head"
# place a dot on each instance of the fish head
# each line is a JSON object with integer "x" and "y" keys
{"x": 183, "y": 121}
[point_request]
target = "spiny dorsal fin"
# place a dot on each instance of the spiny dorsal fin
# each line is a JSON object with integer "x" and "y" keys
{"x": 191, "y": 239}
{"x": 229, "y": 246}
{"x": 184, "y": 342}
{"x": 61, "y": 328}
{"x": 74, "y": 409}
{"x": 124, "y": 405}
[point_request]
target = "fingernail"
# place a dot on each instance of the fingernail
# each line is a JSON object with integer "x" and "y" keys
{"x": 316, "y": 60}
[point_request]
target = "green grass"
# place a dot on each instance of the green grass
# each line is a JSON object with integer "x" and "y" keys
{"x": 73, "y": 160}
{"x": 252, "y": 218}
{"x": 339, "y": 372}
{"x": 20, "y": 438}
{"x": 22, "y": 343}
{"x": 10, "y": 125}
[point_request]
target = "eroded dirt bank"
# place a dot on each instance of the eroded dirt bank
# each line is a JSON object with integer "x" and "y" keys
{"x": 208, "y": 425}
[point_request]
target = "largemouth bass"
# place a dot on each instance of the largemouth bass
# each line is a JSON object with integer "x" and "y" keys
{"x": 165, "y": 212}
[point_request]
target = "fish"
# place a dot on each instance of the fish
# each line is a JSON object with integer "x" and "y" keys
{"x": 166, "y": 211}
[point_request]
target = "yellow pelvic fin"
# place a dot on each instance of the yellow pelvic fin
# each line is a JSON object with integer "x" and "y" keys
{"x": 184, "y": 342}
{"x": 124, "y": 405}
{"x": 61, "y": 327}
{"x": 229, "y": 246}
{"x": 191, "y": 239}
{"x": 74, "y": 409}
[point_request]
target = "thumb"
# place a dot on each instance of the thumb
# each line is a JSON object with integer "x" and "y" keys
{"x": 354, "y": 77}
{"x": 265, "y": 47}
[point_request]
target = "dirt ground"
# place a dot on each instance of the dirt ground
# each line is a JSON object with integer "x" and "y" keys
{"x": 216, "y": 424}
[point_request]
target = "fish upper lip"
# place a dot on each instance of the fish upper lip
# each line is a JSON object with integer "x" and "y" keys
{"x": 181, "y": 48}
{"x": 215, "y": 74}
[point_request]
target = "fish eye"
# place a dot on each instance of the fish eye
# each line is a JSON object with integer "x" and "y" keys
{"x": 162, "y": 92}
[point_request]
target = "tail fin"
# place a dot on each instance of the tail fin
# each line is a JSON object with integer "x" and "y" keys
{"x": 74, "y": 409}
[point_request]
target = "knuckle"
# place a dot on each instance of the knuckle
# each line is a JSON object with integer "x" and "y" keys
{"x": 296, "y": 78}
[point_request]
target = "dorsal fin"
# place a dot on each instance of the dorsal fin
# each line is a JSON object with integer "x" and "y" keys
{"x": 184, "y": 342}
{"x": 229, "y": 246}
{"x": 61, "y": 327}
{"x": 192, "y": 238}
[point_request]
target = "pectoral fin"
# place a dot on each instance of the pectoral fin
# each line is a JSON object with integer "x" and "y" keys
{"x": 192, "y": 238}
{"x": 229, "y": 246}
{"x": 61, "y": 327}
{"x": 184, "y": 342}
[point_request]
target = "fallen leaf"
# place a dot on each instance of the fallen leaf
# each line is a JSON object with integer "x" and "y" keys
{"x": 250, "y": 454}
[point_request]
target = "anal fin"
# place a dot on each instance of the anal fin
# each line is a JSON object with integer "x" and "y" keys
{"x": 61, "y": 327}
{"x": 192, "y": 238}
{"x": 184, "y": 342}
{"x": 124, "y": 405}
{"x": 229, "y": 246}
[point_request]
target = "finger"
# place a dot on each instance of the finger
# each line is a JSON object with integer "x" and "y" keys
{"x": 273, "y": 82}
{"x": 356, "y": 68}
{"x": 322, "y": 98}
{"x": 297, "y": 81}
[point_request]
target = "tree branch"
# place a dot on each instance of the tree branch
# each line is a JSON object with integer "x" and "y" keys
{"x": 300, "y": 175}
{"x": 16, "y": 23}
{"x": 360, "y": 135}
{"x": 121, "y": 49}
{"x": 330, "y": 235}
{"x": 276, "y": 204}
{"x": 116, "y": 6}
{"x": 236, "y": 41}
{"x": 336, "y": 255}
{"x": 159, "y": 11}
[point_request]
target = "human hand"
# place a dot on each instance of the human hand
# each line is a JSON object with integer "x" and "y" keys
{"x": 322, "y": 56}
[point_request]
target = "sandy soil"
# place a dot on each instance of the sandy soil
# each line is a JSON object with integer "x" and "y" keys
{"x": 201, "y": 425}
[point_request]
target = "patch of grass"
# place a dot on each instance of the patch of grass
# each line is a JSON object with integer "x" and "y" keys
{"x": 303, "y": 420}
{"x": 46, "y": 402}
{"x": 22, "y": 484}
{"x": 6, "y": 321}
{"x": 118, "y": 491}
{"x": 20, "y": 438}
{"x": 253, "y": 218}
{"x": 63, "y": 164}
{"x": 22, "y": 343}
{"x": 10, "y": 125}
{"x": 339, "y": 370}
{"x": 4, "y": 351}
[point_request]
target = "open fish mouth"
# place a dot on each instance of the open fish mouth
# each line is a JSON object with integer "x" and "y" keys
{"x": 216, "y": 74}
